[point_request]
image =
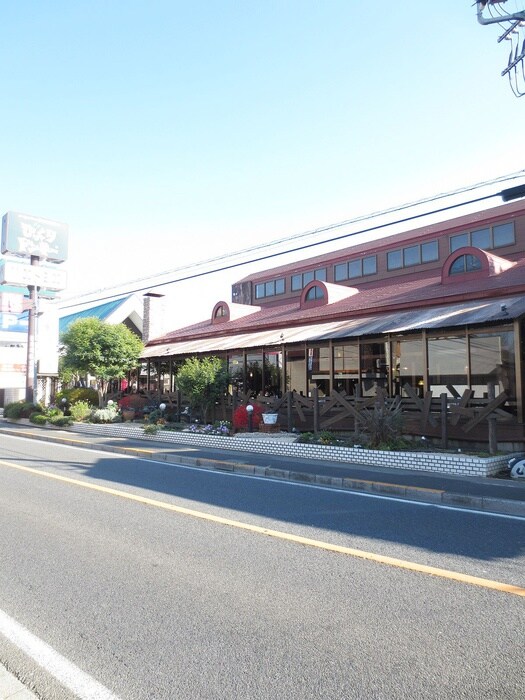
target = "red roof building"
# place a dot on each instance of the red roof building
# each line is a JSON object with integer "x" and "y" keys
{"x": 440, "y": 307}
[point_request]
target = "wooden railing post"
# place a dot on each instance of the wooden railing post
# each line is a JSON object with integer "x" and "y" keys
{"x": 315, "y": 397}
{"x": 444, "y": 424}
{"x": 289, "y": 411}
{"x": 357, "y": 395}
{"x": 493, "y": 440}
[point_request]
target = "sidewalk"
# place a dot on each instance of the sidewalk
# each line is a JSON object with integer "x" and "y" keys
{"x": 505, "y": 496}
{"x": 12, "y": 689}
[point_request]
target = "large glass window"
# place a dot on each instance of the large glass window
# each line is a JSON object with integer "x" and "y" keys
{"x": 447, "y": 365}
{"x": 374, "y": 367}
{"x": 254, "y": 365}
{"x": 408, "y": 365}
{"x": 273, "y": 361}
{"x": 296, "y": 370}
{"x": 492, "y": 360}
{"x": 346, "y": 368}
{"x": 236, "y": 372}
{"x": 319, "y": 370}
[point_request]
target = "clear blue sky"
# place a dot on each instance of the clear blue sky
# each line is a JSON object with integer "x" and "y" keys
{"x": 166, "y": 132}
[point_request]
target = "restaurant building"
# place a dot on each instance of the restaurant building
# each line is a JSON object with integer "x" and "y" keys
{"x": 439, "y": 308}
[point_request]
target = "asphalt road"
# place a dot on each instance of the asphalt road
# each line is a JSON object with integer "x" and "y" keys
{"x": 161, "y": 582}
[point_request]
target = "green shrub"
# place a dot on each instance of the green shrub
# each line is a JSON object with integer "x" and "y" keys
{"x": 38, "y": 418}
{"x": 61, "y": 420}
{"x": 151, "y": 428}
{"x": 80, "y": 410}
{"x": 53, "y": 411}
{"x": 327, "y": 438}
{"x": 105, "y": 415}
{"x": 306, "y": 437}
{"x": 77, "y": 394}
{"x": 21, "y": 409}
{"x": 383, "y": 426}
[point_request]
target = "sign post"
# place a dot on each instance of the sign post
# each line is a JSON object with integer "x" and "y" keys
{"x": 31, "y": 379}
{"x": 38, "y": 239}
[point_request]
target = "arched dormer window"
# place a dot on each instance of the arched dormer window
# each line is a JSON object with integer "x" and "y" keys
{"x": 221, "y": 313}
{"x": 468, "y": 261}
{"x": 314, "y": 293}
{"x": 465, "y": 263}
{"x": 319, "y": 293}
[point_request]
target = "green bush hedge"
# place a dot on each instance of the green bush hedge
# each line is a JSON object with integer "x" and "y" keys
{"x": 61, "y": 420}
{"x": 77, "y": 394}
{"x": 21, "y": 409}
{"x": 38, "y": 418}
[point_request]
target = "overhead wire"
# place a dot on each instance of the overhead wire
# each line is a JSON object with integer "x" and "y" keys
{"x": 377, "y": 227}
{"x": 322, "y": 229}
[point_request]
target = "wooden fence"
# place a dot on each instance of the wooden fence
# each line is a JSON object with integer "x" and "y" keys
{"x": 442, "y": 418}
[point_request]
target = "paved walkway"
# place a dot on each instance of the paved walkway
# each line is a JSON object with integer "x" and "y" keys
{"x": 478, "y": 493}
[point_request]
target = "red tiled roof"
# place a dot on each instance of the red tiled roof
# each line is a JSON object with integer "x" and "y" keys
{"x": 404, "y": 293}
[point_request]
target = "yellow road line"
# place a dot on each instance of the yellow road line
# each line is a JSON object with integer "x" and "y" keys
{"x": 319, "y": 544}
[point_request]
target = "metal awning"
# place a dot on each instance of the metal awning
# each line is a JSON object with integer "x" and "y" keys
{"x": 468, "y": 313}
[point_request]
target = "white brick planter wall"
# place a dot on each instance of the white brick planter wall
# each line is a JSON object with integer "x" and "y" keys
{"x": 449, "y": 463}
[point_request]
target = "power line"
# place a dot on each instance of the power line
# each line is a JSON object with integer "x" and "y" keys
{"x": 311, "y": 232}
{"x": 514, "y": 193}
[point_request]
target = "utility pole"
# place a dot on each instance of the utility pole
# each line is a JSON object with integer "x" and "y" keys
{"x": 31, "y": 370}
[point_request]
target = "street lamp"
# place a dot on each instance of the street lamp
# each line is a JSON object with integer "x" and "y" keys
{"x": 249, "y": 411}
{"x": 162, "y": 408}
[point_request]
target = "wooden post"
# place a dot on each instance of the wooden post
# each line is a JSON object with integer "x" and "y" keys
{"x": 357, "y": 394}
{"x": 315, "y": 398}
{"x": 493, "y": 440}
{"x": 444, "y": 425}
{"x": 289, "y": 411}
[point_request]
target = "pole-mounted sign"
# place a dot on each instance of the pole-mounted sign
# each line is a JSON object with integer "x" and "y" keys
{"x": 28, "y": 236}
{"x": 39, "y": 240}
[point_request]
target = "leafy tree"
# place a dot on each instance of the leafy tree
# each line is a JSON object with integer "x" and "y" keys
{"x": 203, "y": 382}
{"x": 104, "y": 351}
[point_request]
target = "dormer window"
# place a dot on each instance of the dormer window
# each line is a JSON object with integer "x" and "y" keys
{"x": 465, "y": 263}
{"x": 472, "y": 262}
{"x": 314, "y": 293}
{"x": 221, "y": 313}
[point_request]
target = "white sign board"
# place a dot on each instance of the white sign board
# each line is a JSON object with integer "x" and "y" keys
{"x": 23, "y": 275}
{"x": 28, "y": 236}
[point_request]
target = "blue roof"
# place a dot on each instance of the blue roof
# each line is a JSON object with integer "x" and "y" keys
{"x": 101, "y": 312}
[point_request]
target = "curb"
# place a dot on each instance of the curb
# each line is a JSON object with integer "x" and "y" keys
{"x": 11, "y": 688}
{"x": 406, "y": 492}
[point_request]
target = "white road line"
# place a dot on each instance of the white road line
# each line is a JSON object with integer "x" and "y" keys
{"x": 84, "y": 686}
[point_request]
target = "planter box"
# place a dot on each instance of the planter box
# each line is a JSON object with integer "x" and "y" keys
{"x": 270, "y": 418}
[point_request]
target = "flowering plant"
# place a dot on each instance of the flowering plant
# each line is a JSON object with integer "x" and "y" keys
{"x": 221, "y": 427}
{"x": 240, "y": 416}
